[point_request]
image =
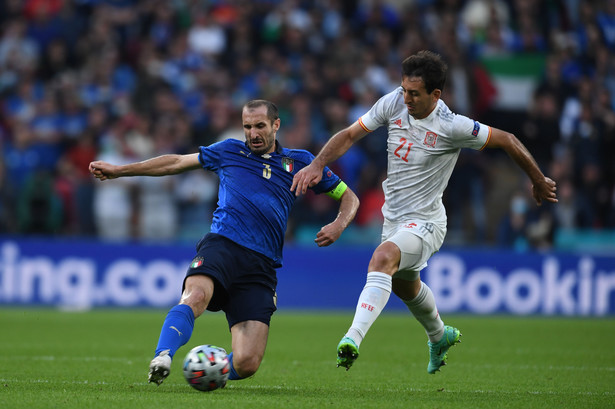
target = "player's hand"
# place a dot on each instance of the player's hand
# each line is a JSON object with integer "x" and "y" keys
{"x": 545, "y": 189}
{"x": 102, "y": 170}
{"x": 306, "y": 178}
{"x": 328, "y": 234}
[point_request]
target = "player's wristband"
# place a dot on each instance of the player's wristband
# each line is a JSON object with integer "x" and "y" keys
{"x": 338, "y": 191}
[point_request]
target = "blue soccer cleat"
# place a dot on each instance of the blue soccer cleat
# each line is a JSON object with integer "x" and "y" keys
{"x": 347, "y": 352}
{"x": 438, "y": 350}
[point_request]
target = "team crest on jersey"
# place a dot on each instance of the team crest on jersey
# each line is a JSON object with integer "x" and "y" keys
{"x": 430, "y": 139}
{"x": 397, "y": 122}
{"x": 196, "y": 262}
{"x": 288, "y": 164}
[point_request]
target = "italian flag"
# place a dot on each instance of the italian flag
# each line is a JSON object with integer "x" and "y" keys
{"x": 515, "y": 77}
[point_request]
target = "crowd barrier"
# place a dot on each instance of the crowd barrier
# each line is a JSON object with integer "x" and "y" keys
{"x": 86, "y": 274}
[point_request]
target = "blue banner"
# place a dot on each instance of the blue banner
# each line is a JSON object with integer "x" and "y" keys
{"x": 86, "y": 274}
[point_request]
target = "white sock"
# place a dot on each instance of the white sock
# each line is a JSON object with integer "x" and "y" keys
{"x": 372, "y": 301}
{"x": 424, "y": 309}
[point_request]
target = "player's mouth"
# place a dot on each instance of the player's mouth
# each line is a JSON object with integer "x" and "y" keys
{"x": 257, "y": 143}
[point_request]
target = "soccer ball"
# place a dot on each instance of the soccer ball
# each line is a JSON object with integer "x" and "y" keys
{"x": 207, "y": 367}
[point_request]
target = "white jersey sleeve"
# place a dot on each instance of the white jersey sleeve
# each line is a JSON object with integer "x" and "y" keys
{"x": 468, "y": 133}
{"x": 380, "y": 113}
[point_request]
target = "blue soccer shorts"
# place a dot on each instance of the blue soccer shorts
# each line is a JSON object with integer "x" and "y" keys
{"x": 244, "y": 280}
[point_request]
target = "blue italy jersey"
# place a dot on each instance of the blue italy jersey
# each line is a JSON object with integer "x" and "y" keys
{"x": 254, "y": 197}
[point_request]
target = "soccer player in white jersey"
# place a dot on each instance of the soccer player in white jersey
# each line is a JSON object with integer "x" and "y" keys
{"x": 424, "y": 141}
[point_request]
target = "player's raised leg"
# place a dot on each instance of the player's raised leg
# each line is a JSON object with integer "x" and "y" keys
{"x": 175, "y": 332}
{"x": 418, "y": 297}
{"x": 423, "y": 307}
{"x": 178, "y": 325}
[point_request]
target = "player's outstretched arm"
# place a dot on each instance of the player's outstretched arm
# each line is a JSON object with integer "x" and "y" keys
{"x": 158, "y": 166}
{"x": 543, "y": 188}
{"x": 349, "y": 204}
{"x": 335, "y": 147}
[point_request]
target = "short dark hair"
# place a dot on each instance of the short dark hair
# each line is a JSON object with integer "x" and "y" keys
{"x": 272, "y": 110}
{"x": 427, "y": 65}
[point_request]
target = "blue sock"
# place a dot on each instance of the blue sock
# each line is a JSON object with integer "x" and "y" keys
{"x": 176, "y": 330}
{"x": 233, "y": 375}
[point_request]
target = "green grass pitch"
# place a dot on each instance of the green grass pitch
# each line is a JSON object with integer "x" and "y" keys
{"x": 99, "y": 359}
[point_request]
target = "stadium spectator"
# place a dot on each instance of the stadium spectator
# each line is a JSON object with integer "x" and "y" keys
{"x": 606, "y": 22}
{"x": 196, "y": 198}
{"x": 17, "y": 50}
{"x": 47, "y": 130}
{"x": 157, "y": 211}
{"x": 540, "y": 130}
{"x": 565, "y": 212}
{"x": 22, "y": 158}
{"x": 75, "y": 163}
{"x": 114, "y": 203}
{"x": 512, "y": 231}
{"x": 39, "y": 207}
{"x": 206, "y": 36}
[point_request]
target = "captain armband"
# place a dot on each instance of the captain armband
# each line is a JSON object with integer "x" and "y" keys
{"x": 338, "y": 191}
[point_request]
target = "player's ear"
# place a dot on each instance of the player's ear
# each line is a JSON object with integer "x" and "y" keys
{"x": 276, "y": 124}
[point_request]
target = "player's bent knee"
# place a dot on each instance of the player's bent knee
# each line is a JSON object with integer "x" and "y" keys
{"x": 247, "y": 365}
{"x": 197, "y": 294}
{"x": 385, "y": 258}
{"x": 404, "y": 289}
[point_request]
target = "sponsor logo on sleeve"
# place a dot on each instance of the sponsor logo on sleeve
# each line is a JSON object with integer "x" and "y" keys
{"x": 476, "y": 129}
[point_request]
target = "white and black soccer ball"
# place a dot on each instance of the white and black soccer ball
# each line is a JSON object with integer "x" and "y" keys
{"x": 207, "y": 367}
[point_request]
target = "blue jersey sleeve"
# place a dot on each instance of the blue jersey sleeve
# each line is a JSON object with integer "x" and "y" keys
{"x": 209, "y": 156}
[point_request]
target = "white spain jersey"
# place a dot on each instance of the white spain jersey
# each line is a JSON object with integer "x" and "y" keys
{"x": 421, "y": 156}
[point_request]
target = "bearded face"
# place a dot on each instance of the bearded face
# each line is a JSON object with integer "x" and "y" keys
{"x": 260, "y": 131}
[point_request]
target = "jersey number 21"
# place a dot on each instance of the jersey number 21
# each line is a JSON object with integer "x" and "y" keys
{"x": 404, "y": 142}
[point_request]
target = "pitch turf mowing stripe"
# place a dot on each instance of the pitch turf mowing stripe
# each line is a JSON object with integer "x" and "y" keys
{"x": 323, "y": 363}
{"x": 298, "y": 388}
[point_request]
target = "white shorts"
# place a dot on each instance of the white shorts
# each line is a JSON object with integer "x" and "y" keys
{"x": 417, "y": 240}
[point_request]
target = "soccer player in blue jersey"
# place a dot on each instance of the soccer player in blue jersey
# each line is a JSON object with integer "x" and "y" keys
{"x": 234, "y": 269}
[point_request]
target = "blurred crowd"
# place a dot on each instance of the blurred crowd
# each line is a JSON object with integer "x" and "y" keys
{"x": 125, "y": 80}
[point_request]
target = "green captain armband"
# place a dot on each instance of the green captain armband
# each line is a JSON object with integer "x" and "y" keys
{"x": 338, "y": 191}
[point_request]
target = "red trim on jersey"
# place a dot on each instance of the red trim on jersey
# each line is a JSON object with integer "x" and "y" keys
{"x": 363, "y": 125}
{"x": 488, "y": 139}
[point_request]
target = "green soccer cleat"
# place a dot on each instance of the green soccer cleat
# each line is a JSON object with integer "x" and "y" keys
{"x": 438, "y": 350}
{"x": 347, "y": 352}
